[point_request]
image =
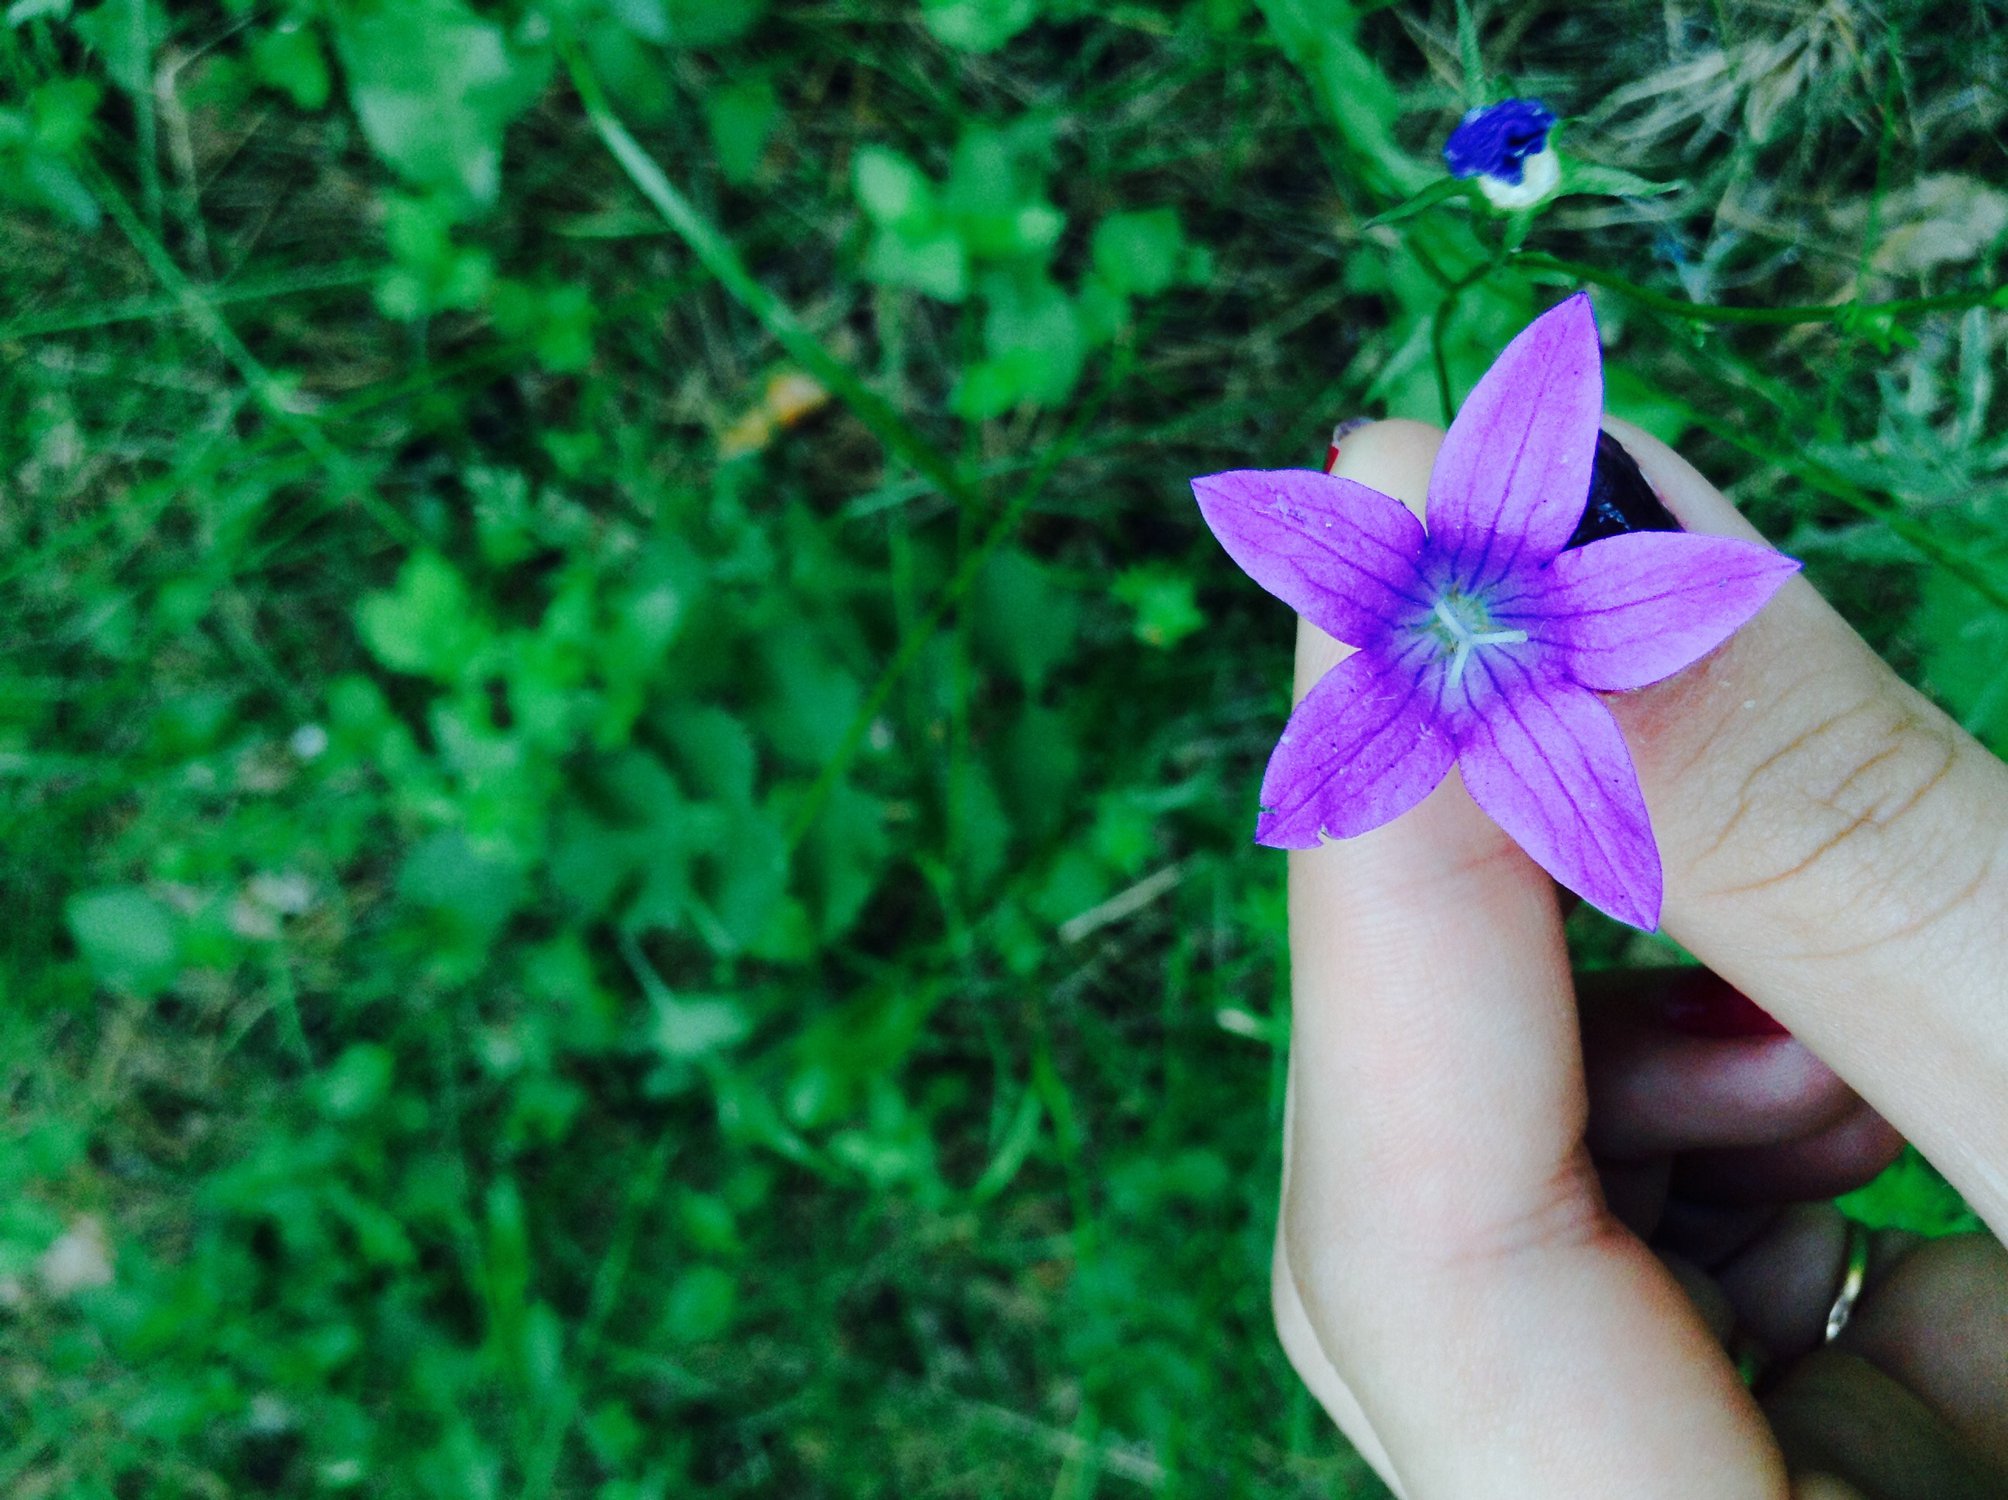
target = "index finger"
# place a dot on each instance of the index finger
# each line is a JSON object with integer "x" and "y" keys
{"x": 1832, "y": 845}
{"x": 1441, "y": 1220}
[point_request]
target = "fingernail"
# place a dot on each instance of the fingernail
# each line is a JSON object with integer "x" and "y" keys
{"x": 1704, "y": 1004}
{"x": 1340, "y": 433}
{"x": 1621, "y": 498}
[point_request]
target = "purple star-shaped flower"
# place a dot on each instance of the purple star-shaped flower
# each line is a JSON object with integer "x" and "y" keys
{"x": 1481, "y": 641}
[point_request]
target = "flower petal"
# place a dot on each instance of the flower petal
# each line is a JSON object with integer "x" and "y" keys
{"x": 1342, "y": 555}
{"x": 1364, "y": 746}
{"x": 1544, "y": 758}
{"x": 1494, "y": 139}
{"x": 1514, "y": 470}
{"x": 1629, "y": 610}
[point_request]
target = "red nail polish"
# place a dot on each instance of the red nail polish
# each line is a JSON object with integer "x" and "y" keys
{"x": 1339, "y": 434}
{"x": 1704, "y": 1004}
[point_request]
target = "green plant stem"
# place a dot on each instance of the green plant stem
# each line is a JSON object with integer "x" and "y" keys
{"x": 1817, "y": 476}
{"x": 1470, "y": 55}
{"x": 134, "y": 309}
{"x": 1439, "y": 327}
{"x": 715, "y": 252}
{"x": 1781, "y": 449}
{"x": 145, "y": 115}
{"x": 265, "y": 389}
{"x": 1706, "y": 312}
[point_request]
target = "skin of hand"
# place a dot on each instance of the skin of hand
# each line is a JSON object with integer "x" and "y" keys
{"x": 1473, "y": 1158}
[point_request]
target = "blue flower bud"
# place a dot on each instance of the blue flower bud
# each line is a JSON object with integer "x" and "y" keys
{"x": 1505, "y": 146}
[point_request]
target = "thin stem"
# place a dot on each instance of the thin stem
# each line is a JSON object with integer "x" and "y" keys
{"x": 1470, "y": 55}
{"x": 140, "y": 40}
{"x": 328, "y": 279}
{"x": 1704, "y": 312}
{"x": 1439, "y": 327}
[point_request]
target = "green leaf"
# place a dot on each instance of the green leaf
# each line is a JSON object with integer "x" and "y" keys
{"x": 717, "y": 752}
{"x": 1321, "y": 38}
{"x": 978, "y": 25}
{"x": 1966, "y": 647}
{"x": 1019, "y": 1138}
{"x": 1630, "y": 395}
{"x": 891, "y": 189}
{"x": 36, "y": 142}
{"x": 1077, "y": 882}
{"x": 980, "y": 826}
{"x": 633, "y": 71}
{"x": 357, "y": 1081}
{"x": 61, "y": 111}
{"x": 1910, "y": 1194}
{"x": 1020, "y": 618}
{"x": 289, "y": 58}
{"x": 476, "y": 890}
{"x": 1103, "y": 311}
{"x": 1167, "y": 610}
{"x": 556, "y": 320}
{"x": 433, "y": 86}
{"x": 702, "y": 1303}
{"x": 124, "y": 35}
{"x": 844, "y": 856}
{"x": 1415, "y": 203}
{"x": 1588, "y": 179}
{"x": 426, "y": 624}
{"x": 747, "y": 883}
{"x": 995, "y": 193}
{"x": 812, "y": 698}
{"x": 936, "y": 263}
{"x": 53, "y": 183}
{"x": 131, "y": 941}
{"x": 1140, "y": 253}
{"x": 688, "y": 23}
{"x": 988, "y": 388}
{"x": 742, "y": 117}
{"x": 690, "y": 1027}
{"x": 1039, "y": 767}
{"x": 23, "y": 11}
{"x": 1036, "y": 343}
{"x": 708, "y": 1223}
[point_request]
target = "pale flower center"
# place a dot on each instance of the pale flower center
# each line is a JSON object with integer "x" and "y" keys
{"x": 1540, "y": 175}
{"x": 1462, "y": 625}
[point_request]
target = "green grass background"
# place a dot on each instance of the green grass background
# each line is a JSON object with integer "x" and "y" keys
{"x": 568, "y": 928}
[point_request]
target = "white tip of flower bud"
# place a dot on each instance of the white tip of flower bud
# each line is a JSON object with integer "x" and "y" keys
{"x": 1540, "y": 175}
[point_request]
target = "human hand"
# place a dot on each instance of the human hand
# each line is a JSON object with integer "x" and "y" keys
{"x": 1459, "y": 1283}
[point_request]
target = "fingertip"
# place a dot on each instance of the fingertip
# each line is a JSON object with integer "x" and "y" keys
{"x": 1394, "y": 457}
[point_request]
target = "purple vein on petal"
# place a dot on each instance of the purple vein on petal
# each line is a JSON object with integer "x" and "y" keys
{"x": 1365, "y": 745}
{"x": 1510, "y": 480}
{"x": 1544, "y": 759}
{"x": 1630, "y": 610}
{"x": 1342, "y": 555}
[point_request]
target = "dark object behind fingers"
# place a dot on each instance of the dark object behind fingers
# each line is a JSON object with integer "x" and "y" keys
{"x": 1620, "y": 499}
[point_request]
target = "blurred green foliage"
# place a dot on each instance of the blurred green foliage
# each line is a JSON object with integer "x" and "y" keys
{"x": 578, "y": 924}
